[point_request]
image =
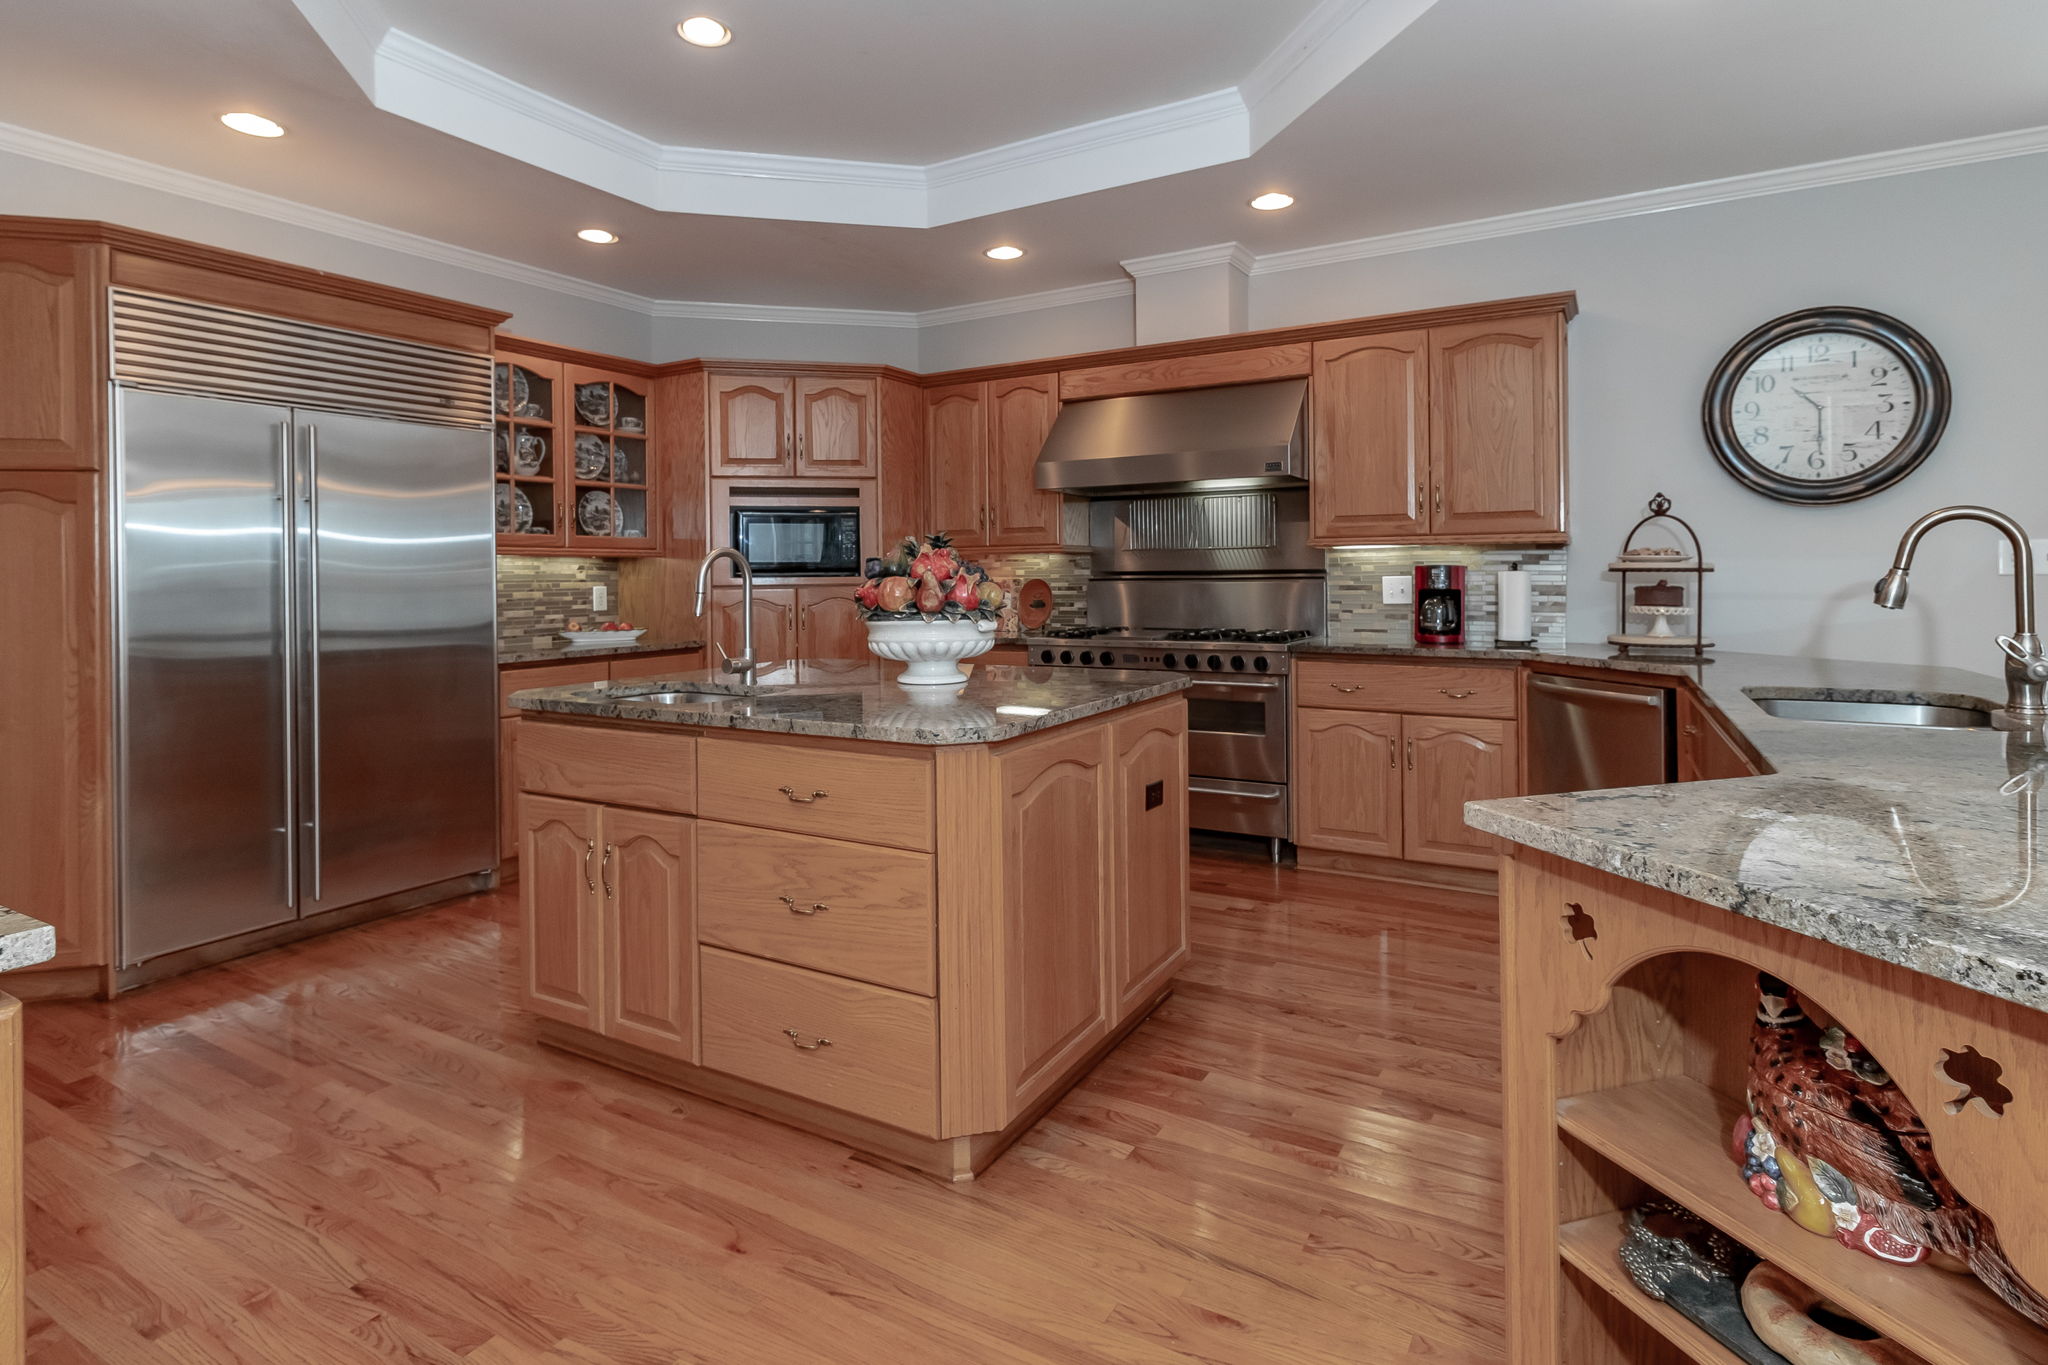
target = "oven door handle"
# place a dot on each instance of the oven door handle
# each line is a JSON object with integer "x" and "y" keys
{"x": 1247, "y": 684}
{"x": 1244, "y": 796}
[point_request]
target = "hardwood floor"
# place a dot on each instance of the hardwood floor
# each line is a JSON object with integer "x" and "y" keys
{"x": 352, "y": 1150}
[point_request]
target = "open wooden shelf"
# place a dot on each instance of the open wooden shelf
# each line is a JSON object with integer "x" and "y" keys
{"x": 1673, "y": 1135}
{"x": 1591, "y": 1245}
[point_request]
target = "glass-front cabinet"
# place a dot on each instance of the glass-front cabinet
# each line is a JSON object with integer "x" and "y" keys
{"x": 575, "y": 471}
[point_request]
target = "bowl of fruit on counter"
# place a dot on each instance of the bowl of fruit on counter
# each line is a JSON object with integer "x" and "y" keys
{"x": 610, "y": 635}
{"x": 929, "y": 609}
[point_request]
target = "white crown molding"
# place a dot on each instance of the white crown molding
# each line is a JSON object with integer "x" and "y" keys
{"x": 779, "y": 312}
{"x": 1234, "y": 254}
{"x": 407, "y": 76}
{"x": 1814, "y": 175}
{"x": 1027, "y": 303}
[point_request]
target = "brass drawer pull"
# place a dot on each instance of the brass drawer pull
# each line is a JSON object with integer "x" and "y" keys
{"x": 795, "y": 909}
{"x": 1411, "y": 755}
{"x": 796, "y": 1040}
{"x": 1347, "y": 691}
{"x": 604, "y": 870}
{"x": 1457, "y": 696}
{"x": 790, "y": 792}
{"x": 589, "y": 851}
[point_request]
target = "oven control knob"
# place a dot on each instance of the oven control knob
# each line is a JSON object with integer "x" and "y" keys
{"x": 1215, "y": 662}
{"x": 1087, "y": 656}
{"x": 1045, "y": 656}
{"x": 1169, "y": 661}
{"x": 1259, "y": 663}
{"x": 1107, "y": 657}
{"x": 1237, "y": 662}
{"x": 1066, "y": 656}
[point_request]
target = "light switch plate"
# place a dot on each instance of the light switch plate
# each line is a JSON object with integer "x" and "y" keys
{"x": 2005, "y": 557}
{"x": 600, "y": 597}
{"x": 1396, "y": 588}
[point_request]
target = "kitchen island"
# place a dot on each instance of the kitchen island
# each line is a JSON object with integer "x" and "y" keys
{"x": 1889, "y": 875}
{"x": 908, "y": 919}
{"x": 24, "y": 942}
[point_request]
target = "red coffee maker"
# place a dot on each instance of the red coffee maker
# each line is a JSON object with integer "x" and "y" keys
{"x": 1439, "y": 604}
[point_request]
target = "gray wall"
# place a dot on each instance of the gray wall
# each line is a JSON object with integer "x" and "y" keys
{"x": 1098, "y": 325}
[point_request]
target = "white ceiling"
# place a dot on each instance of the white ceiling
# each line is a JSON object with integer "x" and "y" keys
{"x": 1477, "y": 108}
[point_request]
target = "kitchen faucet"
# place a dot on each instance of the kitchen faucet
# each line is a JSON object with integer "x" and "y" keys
{"x": 2026, "y": 667}
{"x": 744, "y": 664}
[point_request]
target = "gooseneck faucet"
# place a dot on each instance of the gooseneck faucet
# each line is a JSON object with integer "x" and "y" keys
{"x": 744, "y": 663}
{"x": 2026, "y": 667}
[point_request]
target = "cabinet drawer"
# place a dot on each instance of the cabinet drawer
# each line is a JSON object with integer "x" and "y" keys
{"x": 848, "y": 909}
{"x": 519, "y": 677}
{"x": 837, "y": 793}
{"x": 856, "y": 1047}
{"x": 618, "y": 767}
{"x": 1421, "y": 689}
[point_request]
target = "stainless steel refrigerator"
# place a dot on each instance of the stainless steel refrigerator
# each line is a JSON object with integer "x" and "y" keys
{"x": 306, "y": 684}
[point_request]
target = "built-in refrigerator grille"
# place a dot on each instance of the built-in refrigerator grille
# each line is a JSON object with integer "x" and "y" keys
{"x": 1202, "y": 521}
{"x": 181, "y": 346}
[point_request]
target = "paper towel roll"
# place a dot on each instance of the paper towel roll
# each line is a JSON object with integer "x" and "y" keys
{"x": 1511, "y": 590}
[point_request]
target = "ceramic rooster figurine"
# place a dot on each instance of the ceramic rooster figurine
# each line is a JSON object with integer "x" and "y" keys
{"x": 1830, "y": 1141}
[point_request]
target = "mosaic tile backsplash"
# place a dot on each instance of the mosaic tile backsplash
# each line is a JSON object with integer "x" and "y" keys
{"x": 1065, "y": 574}
{"x": 1357, "y": 612}
{"x": 538, "y": 596}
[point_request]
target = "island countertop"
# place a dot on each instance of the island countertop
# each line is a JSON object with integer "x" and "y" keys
{"x": 860, "y": 699}
{"x": 1918, "y": 847}
{"x": 557, "y": 650}
{"x": 24, "y": 942}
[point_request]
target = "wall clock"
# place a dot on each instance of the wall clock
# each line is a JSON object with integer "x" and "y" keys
{"x": 1826, "y": 405}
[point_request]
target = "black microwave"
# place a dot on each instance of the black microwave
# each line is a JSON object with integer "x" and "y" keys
{"x": 799, "y": 542}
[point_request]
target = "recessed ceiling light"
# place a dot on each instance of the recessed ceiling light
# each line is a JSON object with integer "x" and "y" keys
{"x": 598, "y": 235}
{"x": 1004, "y": 253}
{"x": 1269, "y": 202}
{"x": 255, "y": 125}
{"x": 704, "y": 31}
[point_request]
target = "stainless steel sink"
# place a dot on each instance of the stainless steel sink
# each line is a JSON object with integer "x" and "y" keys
{"x": 1877, "y": 713}
{"x": 679, "y": 698}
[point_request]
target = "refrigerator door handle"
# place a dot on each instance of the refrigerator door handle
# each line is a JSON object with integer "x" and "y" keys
{"x": 288, "y": 611}
{"x": 313, "y": 652}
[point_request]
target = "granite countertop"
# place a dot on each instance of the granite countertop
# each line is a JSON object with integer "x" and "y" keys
{"x": 1919, "y": 847}
{"x": 23, "y": 941}
{"x": 860, "y": 699}
{"x": 557, "y": 650}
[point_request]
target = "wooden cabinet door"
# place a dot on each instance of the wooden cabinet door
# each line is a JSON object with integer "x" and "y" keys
{"x": 55, "y": 718}
{"x": 560, "y": 917}
{"x": 1369, "y": 439}
{"x": 956, "y": 455}
{"x": 1052, "y": 791}
{"x": 828, "y": 625}
{"x": 1149, "y": 924}
{"x": 1706, "y": 751}
{"x": 1347, "y": 781}
{"x": 646, "y": 871}
{"x": 751, "y": 426}
{"x": 836, "y": 428}
{"x": 1449, "y": 762}
{"x": 1021, "y": 516}
{"x": 52, "y": 349}
{"x": 775, "y": 625}
{"x": 508, "y": 789}
{"x": 1496, "y": 434}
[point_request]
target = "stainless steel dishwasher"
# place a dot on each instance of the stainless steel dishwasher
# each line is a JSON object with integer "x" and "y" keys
{"x": 1586, "y": 734}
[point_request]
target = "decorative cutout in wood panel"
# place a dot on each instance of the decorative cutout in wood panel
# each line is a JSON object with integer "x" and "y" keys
{"x": 1978, "y": 1076}
{"x": 1584, "y": 931}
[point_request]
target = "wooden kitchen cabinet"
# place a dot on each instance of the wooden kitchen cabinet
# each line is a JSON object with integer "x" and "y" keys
{"x": 750, "y": 428}
{"x": 571, "y": 441}
{"x": 956, "y": 452}
{"x": 1707, "y": 752}
{"x": 828, "y": 625}
{"x": 1347, "y": 781}
{"x": 1369, "y": 439}
{"x": 1447, "y": 762}
{"x": 646, "y": 871}
{"x": 1451, "y": 433}
{"x": 836, "y": 427}
{"x": 53, "y": 354}
{"x": 1496, "y": 428}
{"x": 1149, "y": 929}
{"x": 775, "y": 625}
{"x": 560, "y": 915}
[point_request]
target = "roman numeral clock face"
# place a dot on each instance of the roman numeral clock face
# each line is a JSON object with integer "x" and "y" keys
{"x": 1826, "y": 406}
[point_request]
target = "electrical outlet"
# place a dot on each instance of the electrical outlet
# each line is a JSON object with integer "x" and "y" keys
{"x": 1397, "y": 588}
{"x": 2005, "y": 557}
{"x": 600, "y": 597}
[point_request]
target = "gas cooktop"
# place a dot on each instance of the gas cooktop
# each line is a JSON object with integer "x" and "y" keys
{"x": 1216, "y": 650}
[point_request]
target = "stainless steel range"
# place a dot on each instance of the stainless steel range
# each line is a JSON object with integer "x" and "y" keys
{"x": 1216, "y": 584}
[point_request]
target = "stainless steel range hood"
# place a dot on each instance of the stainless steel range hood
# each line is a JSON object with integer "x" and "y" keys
{"x": 1242, "y": 436}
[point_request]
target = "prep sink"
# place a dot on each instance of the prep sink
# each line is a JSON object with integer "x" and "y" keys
{"x": 679, "y": 698}
{"x": 1916, "y": 714}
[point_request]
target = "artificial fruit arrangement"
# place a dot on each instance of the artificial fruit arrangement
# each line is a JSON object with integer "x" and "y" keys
{"x": 928, "y": 579}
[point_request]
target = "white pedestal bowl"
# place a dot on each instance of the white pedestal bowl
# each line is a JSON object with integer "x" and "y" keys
{"x": 931, "y": 649}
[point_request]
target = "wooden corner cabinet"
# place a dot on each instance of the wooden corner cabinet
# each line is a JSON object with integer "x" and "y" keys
{"x": 576, "y": 473}
{"x": 982, "y": 441}
{"x": 733, "y": 913}
{"x": 1628, "y": 1015}
{"x": 1451, "y": 433}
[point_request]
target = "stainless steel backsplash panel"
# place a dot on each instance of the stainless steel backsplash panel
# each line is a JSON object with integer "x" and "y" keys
{"x": 1236, "y": 532}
